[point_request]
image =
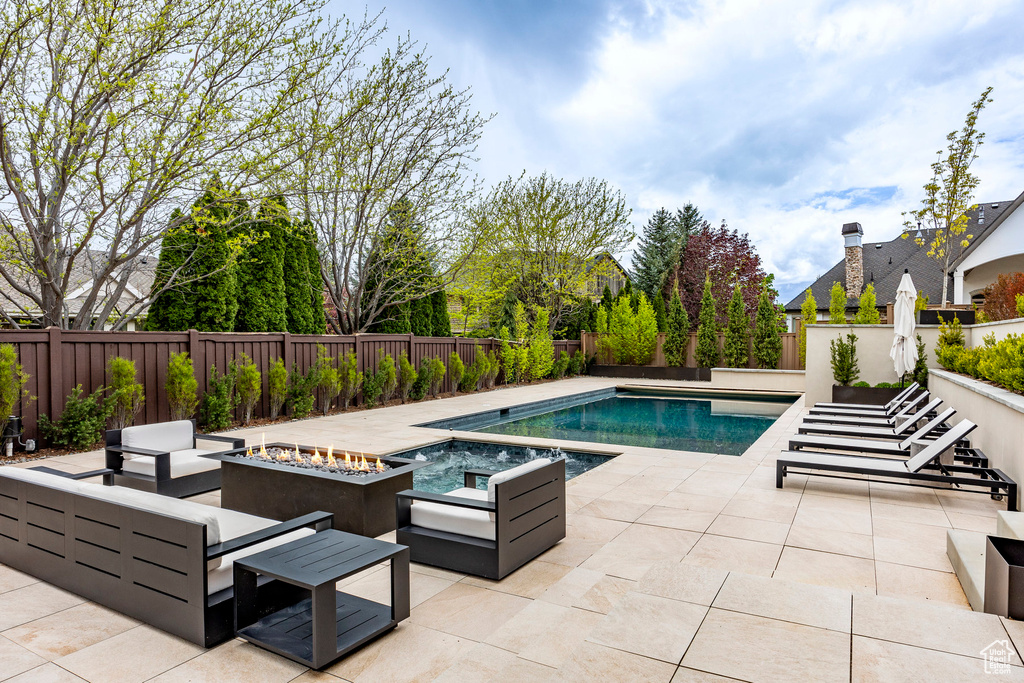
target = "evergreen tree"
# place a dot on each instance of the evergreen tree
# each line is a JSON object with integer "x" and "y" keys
{"x": 708, "y": 354}
{"x": 868, "y": 314}
{"x": 607, "y": 299}
{"x": 646, "y": 331}
{"x": 767, "y": 342}
{"x": 809, "y": 316}
{"x": 622, "y": 329}
{"x": 421, "y": 317}
{"x": 677, "y": 338}
{"x": 837, "y": 305}
{"x": 174, "y": 309}
{"x": 441, "y": 321}
{"x": 262, "y": 302}
{"x": 737, "y": 331}
{"x": 660, "y": 314}
{"x": 302, "y": 284}
{"x": 651, "y": 260}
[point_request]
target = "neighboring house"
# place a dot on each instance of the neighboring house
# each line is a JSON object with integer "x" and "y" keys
{"x": 611, "y": 273}
{"x": 16, "y": 305}
{"x": 997, "y": 247}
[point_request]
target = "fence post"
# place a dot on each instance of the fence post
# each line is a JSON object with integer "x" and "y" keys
{"x": 56, "y": 373}
{"x": 412, "y": 359}
{"x": 198, "y": 358}
{"x": 287, "y": 352}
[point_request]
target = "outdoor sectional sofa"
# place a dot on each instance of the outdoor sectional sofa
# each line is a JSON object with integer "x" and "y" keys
{"x": 487, "y": 533}
{"x": 163, "y": 561}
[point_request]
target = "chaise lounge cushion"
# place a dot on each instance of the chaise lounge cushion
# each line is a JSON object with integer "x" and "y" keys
{"x": 161, "y": 436}
{"x": 54, "y": 481}
{"x": 455, "y": 520}
{"x": 183, "y": 463}
{"x": 516, "y": 471}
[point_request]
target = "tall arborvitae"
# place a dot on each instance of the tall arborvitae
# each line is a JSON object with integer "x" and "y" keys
{"x": 421, "y": 317}
{"x": 767, "y": 342}
{"x": 737, "y": 331}
{"x": 302, "y": 285}
{"x": 808, "y": 316}
{"x": 660, "y": 314}
{"x": 677, "y": 338}
{"x": 708, "y": 354}
{"x": 261, "y": 274}
{"x": 174, "y": 309}
{"x": 607, "y": 300}
{"x": 651, "y": 260}
{"x": 442, "y": 321}
{"x": 837, "y": 305}
{"x": 867, "y": 313}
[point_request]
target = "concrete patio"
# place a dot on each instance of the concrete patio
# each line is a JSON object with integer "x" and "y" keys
{"x": 676, "y": 567}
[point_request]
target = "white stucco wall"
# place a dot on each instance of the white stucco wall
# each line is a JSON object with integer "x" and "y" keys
{"x": 764, "y": 380}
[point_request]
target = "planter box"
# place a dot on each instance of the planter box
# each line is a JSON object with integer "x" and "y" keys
{"x": 868, "y": 395}
{"x": 930, "y": 316}
{"x": 650, "y": 372}
{"x": 1004, "y": 577}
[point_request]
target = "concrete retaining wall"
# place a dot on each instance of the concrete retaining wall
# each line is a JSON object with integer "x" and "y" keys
{"x": 764, "y": 380}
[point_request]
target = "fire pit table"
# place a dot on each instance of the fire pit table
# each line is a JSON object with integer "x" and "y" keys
{"x": 272, "y": 481}
{"x": 329, "y": 624}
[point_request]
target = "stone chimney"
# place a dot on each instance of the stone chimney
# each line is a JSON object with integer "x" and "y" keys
{"x": 852, "y": 234}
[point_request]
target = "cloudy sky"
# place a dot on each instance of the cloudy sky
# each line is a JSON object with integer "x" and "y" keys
{"x": 785, "y": 118}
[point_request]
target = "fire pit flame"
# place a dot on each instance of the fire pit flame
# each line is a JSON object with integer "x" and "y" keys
{"x": 380, "y": 465}
{"x": 353, "y": 465}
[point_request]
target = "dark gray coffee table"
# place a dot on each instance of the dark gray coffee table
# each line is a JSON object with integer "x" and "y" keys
{"x": 329, "y": 624}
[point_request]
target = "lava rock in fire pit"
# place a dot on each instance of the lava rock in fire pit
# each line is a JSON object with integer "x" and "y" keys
{"x": 349, "y": 465}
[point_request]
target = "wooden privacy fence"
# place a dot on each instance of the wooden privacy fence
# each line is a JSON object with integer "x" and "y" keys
{"x": 789, "y": 360}
{"x": 57, "y": 360}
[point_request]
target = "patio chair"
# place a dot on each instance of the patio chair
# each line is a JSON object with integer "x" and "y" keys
{"x": 886, "y": 432}
{"x": 868, "y": 421}
{"x": 961, "y": 451}
{"x": 897, "y": 401}
{"x": 879, "y": 414}
{"x": 922, "y": 470}
{"x": 487, "y": 533}
{"x": 163, "y": 458}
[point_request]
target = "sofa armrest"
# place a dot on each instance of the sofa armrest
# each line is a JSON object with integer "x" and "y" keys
{"x": 409, "y": 495}
{"x": 470, "y": 476}
{"x": 318, "y": 520}
{"x": 72, "y": 475}
{"x": 235, "y": 442}
{"x": 135, "y": 450}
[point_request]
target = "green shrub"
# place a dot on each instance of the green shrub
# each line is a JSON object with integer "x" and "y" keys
{"x": 508, "y": 357}
{"x": 737, "y": 331}
{"x": 456, "y": 368}
{"x": 248, "y": 385}
{"x": 373, "y": 383}
{"x": 622, "y": 329}
{"x": 708, "y": 354}
{"x": 523, "y": 364}
{"x": 808, "y": 316}
{"x": 844, "y": 359}
{"x": 12, "y": 383}
{"x": 388, "y": 376}
{"x": 277, "y": 385}
{"x": 767, "y": 341}
{"x": 677, "y": 338}
{"x": 542, "y": 348}
{"x": 219, "y": 402}
{"x": 861, "y": 384}
{"x": 969, "y": 361}
{"x": 646, "y": 342}
{"x": 421, "y": 385}
{"x": 350, "y": 380}
{"x": 578, "y": 366}
{"x": 605, "y": 342}
{"x": 1003, "y": 362}
{"x": 561, "y": 365}
{"x": 407, "y": 376}
{"x": 127, "y": 395}
{"x": 437, "y": 371}
{"x": 301, "y": 391}
{"x": 494, "y": 367}
{"x": 1020, "y": 305}
{"x": 181, "y": 387}
{"x": 951, "y": 333}
{"x": 328, "y": 378}
{"x": 82, "y": 423}
{"x": 470, "y": 378}
{"x": 867, "y": 313}
{"x": 921, "y": 366}
{"x": 837, "y": 305}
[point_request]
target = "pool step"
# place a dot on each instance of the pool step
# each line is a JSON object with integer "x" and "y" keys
{"x": 966, "y": 551}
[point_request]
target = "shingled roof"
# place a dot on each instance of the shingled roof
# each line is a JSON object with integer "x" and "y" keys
{"x": 884, "y": 263}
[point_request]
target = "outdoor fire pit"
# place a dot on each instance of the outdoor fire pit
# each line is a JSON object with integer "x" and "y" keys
{"x": 282, "y": 481}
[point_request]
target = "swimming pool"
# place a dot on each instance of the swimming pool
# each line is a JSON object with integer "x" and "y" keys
{"x": 725, "y": 423}
{"x": 453, "y": 457}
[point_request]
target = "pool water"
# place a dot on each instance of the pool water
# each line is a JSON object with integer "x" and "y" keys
{"x": 723, "y": 426}
{"x": 452, "y": 458}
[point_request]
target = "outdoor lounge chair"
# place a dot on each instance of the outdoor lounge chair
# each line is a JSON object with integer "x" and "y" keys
{"x": 868, "y": 421}
{"x": 882, "y": 448}
{"x": 163, "y": 458}
{"x": 897, "y": 401}
{"x": 879, "y": 414}
{"x": 887, "y": 433}
{"x": 922, "y": 470}
{"x": 487, "y": 533}
{"x": 163, "y": 561}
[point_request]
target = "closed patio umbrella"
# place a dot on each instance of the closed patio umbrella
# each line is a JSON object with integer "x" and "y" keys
{"x": 904, "y": 349}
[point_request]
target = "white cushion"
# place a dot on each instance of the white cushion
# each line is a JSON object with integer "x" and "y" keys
{"x": 222, "y": 576}
{"x": 501, "y": 477}
{"x": 162, "y": 436}
{"x": 165, "y": 505}
{"x": 183, "y": 463}
{"x": 54, "y": 481}
{"x": 455, "y": 520}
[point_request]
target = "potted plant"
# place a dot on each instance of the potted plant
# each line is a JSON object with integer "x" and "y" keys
{"x": 845, "y": 371}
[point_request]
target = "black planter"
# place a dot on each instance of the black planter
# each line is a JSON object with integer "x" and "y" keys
{"x": 1004, "y": 577}
{"x": 650, "y": 372}
{"x": 930, "y": 316}
{"x": 868, "y": 395}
